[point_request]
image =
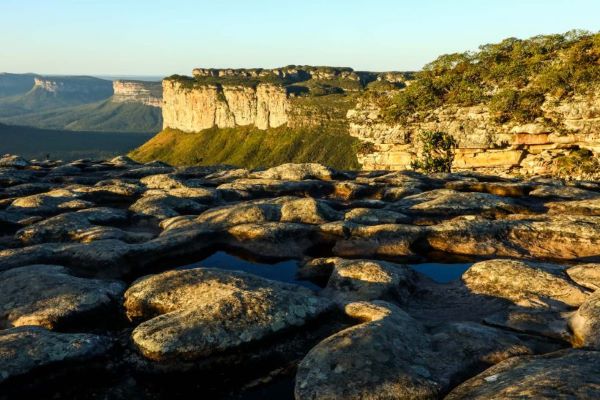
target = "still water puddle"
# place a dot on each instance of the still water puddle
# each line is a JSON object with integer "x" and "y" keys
{"x": 283, "y": 271}
{"x": 441, "y": 273}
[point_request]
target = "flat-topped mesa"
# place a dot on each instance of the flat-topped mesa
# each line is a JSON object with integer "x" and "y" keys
{"x": 148, "y": 93}
{"x": 224, "y": 106}
{"x": 80, "y": 85}
{"x": 264, "y": 98}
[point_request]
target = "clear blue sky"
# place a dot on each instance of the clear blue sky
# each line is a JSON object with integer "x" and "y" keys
{"x": 162, "y": 37}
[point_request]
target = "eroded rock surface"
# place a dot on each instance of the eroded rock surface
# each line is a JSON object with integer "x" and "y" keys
{"x": 195, "y": 313}
{"x": 48, "y": 296}
{"x": 378, "y": 328}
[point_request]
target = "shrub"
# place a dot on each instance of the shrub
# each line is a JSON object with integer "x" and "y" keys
{"x": 437, "y": 152}
{"x": 579, "y": 163}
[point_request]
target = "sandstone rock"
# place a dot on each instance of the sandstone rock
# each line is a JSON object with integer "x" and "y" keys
{"x": 575, "y": 207}
{"x": 524, "y": 283}
{"x": 102, "y": 258}
{"x": 199, "y": 312}
{"x": 25, "y": 349}
{"x": 48, "y": 296}
{"x": 296, "y": 172}
{"x": 362, "y": 280}
{"x": 307, "y": 211}
{"x": 13, "y": 161}
{"x": 569, "y": 374}
{"x": 550, "y": 237}
{"x": 586, "y": 275}
{"x": 52, "y": 202}
{"x": 552, "y": 323}
{"x": 562, "y": 192}
{"x": 367, "y": 216}
{"x": 379, "y": 359}
{"x": 450, "y": 202}
{"x": 374, "y": 241}
{"x": 252, "y": 188}
{"x": 585, "y": 323}
{"x": 83, "y": 226}
{"x": 505, "y": 189}
{"x": 163, "y": 206}
{"x": 273, "y": 239}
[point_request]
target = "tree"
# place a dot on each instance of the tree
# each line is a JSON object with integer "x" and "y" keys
{"x": 437, "y": 152}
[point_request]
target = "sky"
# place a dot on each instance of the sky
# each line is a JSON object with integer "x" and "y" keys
{"x": 164, "y": 37}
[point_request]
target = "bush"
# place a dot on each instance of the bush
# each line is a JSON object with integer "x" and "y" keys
{"x": 437, "y": 152}
{"x": 521, "y": 106}
{"x": 579, "y": 163}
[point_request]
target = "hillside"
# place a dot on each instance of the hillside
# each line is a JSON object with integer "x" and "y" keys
{"x": 250, "y": 147}
{"x": 518, "y": 107}
{"x": 86, "y": 104}
{"x": 103, "y": 116}
{"x": 66, "y": 145}
{"x": 14, "y": 84}
{"x": 50, "y": 93}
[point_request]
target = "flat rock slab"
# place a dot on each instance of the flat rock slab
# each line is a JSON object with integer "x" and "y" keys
{"x": 567, "y": 374}
{"x": 48, "y": 296}
{"x": 390, "y": 355}
{"x": 190, "y": 314}
{"x": 585, "y": 323}
{"x": 524, "y": 283}
{"x": 25, "y": 349}
{"x": 362, "y": 280}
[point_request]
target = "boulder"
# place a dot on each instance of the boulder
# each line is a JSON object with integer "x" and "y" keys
{"x": 362, "y": 280}
{"x": 13, "y": 161}
{"x": 190, "y": 314}
{"x": 586, "y": 275}
{"x": 81, "y": 226}
{"x": 523, "y": 283}
{"x": 450, "y": 202}
{"x": 566, "y": 374}
{"x": 48, "y": 296}
{"x": 381, "y": 358}
{"x": 585, "y": 323}
{"x": 24, "y": 350}
{"x": 296, "y": 172}
{"x": 369, "y": 216}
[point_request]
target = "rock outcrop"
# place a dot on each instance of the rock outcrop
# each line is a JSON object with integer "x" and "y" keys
{"x": 221, "y": 282}
{"x": 148, "y": 93}
{"x": 223, "y": 106}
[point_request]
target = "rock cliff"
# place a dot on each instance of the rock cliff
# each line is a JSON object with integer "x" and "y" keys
{"x": 194, "y": 109}
{"x": 75, "y": 85}
{"x": 483, "y": 144}
{"x": 148, "y": 93}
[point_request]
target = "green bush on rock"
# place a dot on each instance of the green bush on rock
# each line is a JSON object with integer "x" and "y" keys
{"x": 437, "y": 152}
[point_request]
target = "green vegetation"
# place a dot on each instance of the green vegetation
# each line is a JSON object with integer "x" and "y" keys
{"x": 437, "y": 152}
{"x": 66, "y": 145}
{"x": 513, "y": 76}
{"x": 103, "y": 116}
{"x": 579, "y": 162}
{"x": 250, "y": 147}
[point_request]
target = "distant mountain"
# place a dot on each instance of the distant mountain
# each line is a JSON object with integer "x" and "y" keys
{"x": 56, "y": 92}
{"x": 14, "y": 84}
{"x": 103, "y": 116}
{"x": 67, "y": 145}
{"x": 82, "y": 103}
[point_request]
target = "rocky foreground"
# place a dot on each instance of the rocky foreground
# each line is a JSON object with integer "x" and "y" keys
{"x": 94, "y": 304}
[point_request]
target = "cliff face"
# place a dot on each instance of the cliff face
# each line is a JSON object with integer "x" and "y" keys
{"x": 483, "y": 144}
{"x": 340, "y": 100}
{"x": 148, "y": 93}
{"x": 194, "y": 109}
{"x": 80, "y": 86}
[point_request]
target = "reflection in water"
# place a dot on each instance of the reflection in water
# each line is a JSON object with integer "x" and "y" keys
{"x": 441, "y": 273}
{"x": 283, "y": 271}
